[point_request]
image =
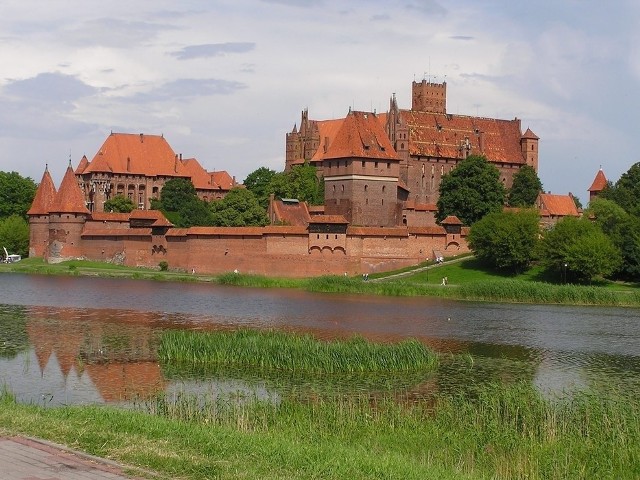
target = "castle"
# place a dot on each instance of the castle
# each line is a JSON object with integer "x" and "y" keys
{"x": 137, "y": 167}
{"x": 381, "y": 173}
{"x": 404, "y": 169}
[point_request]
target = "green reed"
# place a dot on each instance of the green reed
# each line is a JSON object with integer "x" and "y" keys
{"x": 538, "y": 292}
{"x": 273, "y": 350}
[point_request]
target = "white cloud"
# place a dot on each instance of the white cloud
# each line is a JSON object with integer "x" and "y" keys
{"x": 225, "y": 80}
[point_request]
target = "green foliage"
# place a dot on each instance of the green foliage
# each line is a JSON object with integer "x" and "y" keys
{"x": 239, "y": 208}
{"x": 505, "y": 240}
{"x": 119, "y": 204}
{"x": 300, "y": 182}
{"x": 194, "y": 212}
{"x": 177, "y": 192}
{"x": 526, "y": 187}
{"x": 470, "y": 191}
{"x": 259, "y": 182}
{"x": 164, "y": 266}
{"x": 16, "y": 194}
{"x": 273, "y": 350}
{"x": 626, "y": 191}
{"x": 624, "y": 231}
{"x": 578, "y": 249}
{"x": 14, "y": 235}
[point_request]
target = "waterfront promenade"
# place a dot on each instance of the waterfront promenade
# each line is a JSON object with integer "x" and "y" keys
{"x": 23, "y": 458}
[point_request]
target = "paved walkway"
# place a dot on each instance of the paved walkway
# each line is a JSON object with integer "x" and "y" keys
{"x": 33, "y": 459}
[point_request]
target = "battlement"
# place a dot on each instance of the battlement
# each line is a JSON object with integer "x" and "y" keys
{"x": 428, "y": 96}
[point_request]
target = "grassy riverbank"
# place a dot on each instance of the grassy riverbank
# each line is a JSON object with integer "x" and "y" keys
{"x": 467, "y": 281}
{"x": 503, "y": 433}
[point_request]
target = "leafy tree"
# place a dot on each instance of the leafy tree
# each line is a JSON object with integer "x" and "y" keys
{"x": 470, "y": 191}
{"x": 176, "y": 192}
{"x": 194, "y": 212}
{"x": 626, "y": 191}
{"x": 624, "y": 231}
{"x": 578, "y": 249}
{"x": 506, "y": 240}
{"x": 16, "y": 194}
{"x": 119, "y": 204}
{"x": 526, "y": 187}
{"x": 259, "y": 182}
{"x": 14, "y": 235}
{"x": 300, "y": 182}
{"x": 239, "y": 208}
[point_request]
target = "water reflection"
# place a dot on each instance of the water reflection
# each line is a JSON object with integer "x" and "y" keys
{"x": 57, "y": 349}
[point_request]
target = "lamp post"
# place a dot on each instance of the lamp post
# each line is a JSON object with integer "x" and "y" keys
{"x": 564, "y": 273}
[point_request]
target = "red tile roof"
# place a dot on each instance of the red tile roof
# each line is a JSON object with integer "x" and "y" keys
{"x": 159, "y": 219}
{"x": 599, "y": 183}
{"x": 84, "y": 162}
{"x": 127, "y": 153}
{"x": 291, "y": 213}
{"x": 69, "y": 198}
{"x": 327, "y": 130}
{"x": 444, "y": 135}
{"x": 361, "y": 135}
{"x": 45, "y": 196}
{"x": 451, "y": 220}
{"x": 557, "y": 205}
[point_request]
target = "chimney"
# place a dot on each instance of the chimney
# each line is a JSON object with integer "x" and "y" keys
{"x": 141, "y": 138}
{"x": 326, "y": 144}
{"x": 180, "y": 157}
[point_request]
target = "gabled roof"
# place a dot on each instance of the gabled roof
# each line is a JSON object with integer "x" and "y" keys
{"x": 599, "y": 183}
{"x": 69, "y": 198}
{"x": 327, "y": 130}
{"x": 446, "y": 135}
{"x": 529, "y": 135}
{"x": 451, "y": 220}
{"x": 127, "y": 153}
{"x": 291, "y": 213}
{"x": 45, "y": 195}
{"x": 557, "y": 205}
{"x": 361, "y": 135}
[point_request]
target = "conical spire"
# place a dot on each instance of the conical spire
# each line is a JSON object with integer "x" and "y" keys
{"x": 69, "y": 198}
{"x": 45, "y": 195}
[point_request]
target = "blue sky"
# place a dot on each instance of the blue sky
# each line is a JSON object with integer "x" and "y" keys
{"x": 224, "y": 81}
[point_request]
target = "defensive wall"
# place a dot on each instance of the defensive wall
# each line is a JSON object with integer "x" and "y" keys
{"x": 287, "y": 251}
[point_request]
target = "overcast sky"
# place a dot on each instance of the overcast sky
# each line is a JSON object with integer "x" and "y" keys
{"x": 224, "y": 81}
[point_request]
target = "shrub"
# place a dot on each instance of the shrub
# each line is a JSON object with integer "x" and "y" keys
{"x": 164, "y": 266}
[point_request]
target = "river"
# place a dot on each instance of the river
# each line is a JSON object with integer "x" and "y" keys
{"x": 76, "y": 340}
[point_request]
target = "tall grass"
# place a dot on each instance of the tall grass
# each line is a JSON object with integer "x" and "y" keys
{"x": 273, "y": 350}
{"x": 537, "y": 292}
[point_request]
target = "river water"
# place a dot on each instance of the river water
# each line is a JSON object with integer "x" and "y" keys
{"x": 76, "y": 340}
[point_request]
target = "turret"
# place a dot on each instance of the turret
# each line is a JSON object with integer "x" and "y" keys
{"x": 39, "y": 216}
{"x": 529, "y": 146}
{"x": 67, "y": 216}
{"x": 429, "y": 97}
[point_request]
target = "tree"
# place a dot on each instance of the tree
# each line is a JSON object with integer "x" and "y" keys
{"x": 506, "y": 240}
{"x": 526, "y": 187}
{"x": 626, "y": 191}
{"x": 176, "y": 192}
{"x": 300, "y": 182}
{"x": 119, "y": 204}
{"x": 470, "y": 191}
{"x": 16, "y": 194}
{"x": 239, "y": 208}
{"x": 624, "y": 231}
{"x": 14, "y": 235}
{"x": 259, "y": 182}
{"x": 194, "y": 212}
{"x": 577, "y": 248}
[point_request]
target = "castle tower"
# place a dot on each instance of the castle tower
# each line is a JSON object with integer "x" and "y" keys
{"x": 429, "y": 97}
{"x": 361, "y": 171}
{"x": 599, "y": 184}
{"x": 529, "y": 145}
{"x": 39, "y": 215}
{"x": 67, "y": 216}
